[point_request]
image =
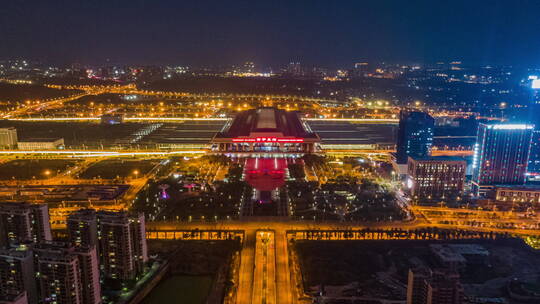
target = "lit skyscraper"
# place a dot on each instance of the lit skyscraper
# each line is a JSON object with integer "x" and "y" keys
{"x": 415, "y": 135}
{"x": 534, "y": 159}
{"x": 501, "y": 155}
{"x": 534, "y": 118}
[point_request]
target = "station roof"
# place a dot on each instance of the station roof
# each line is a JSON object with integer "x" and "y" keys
{"x": 266, "y": 120}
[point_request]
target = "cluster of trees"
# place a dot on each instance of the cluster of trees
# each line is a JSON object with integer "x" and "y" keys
{"x": 22, "y": 92}
{"x": 297, "y": 171}
{"x": 429, "y": 233}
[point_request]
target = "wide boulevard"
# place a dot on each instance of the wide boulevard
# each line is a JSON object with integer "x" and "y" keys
{"x": 266, "y": 274}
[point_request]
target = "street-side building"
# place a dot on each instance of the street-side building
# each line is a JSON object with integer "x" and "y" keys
{"x": 266, "y": 131}
{"x": 439, "y": 286}
{"x": 445, "y": 288}
{"x": 41, "y": 144}
{"x": 517, "y": 193}
{"x": 416, "y": 285}
{"x": 8, "y": 138}
{"x": 436, "y": 177}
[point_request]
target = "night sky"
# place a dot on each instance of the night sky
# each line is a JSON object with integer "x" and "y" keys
{"x": 328, "y": 33}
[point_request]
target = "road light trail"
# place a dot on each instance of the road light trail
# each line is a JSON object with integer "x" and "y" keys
{"x": 264, "y": 278}
{"x": 259, "y": 271}
{"x": 283, "y": 272}
{"x": 99, "y": 153}
{"x": 245, "y": 277}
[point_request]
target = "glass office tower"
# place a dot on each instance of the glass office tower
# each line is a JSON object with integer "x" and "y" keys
{"x": 501, "y": 155}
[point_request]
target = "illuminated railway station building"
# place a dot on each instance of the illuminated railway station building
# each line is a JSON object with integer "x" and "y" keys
{"x": 266, "y": 131}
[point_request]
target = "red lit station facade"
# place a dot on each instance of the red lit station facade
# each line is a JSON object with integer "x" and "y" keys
{"x": 266, "y": 131}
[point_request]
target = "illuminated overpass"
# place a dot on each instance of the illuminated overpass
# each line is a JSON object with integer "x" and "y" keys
{"x": 165, "y": 153}
{"x": 100, "y": 153}
{"x": 191, "y": 151}
{"x": 180, "y": 119}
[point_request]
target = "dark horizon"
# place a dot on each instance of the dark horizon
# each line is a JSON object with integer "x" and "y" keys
{"x": 321, "y": 33}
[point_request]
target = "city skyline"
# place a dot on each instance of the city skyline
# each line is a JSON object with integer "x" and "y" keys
{"x": 285, "y": 152}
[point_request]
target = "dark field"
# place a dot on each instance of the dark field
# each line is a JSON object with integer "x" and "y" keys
{"x": 21, "y": 93}
{"x": 118, "y": 168}
{"x": 376, "y": 266}
{"x": 34, "y": 168}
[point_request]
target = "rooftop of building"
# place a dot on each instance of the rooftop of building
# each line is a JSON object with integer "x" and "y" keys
{"x": 447, "y": 254}
{"x": 508, "y": 126}
{"x": 119, "y": 217}
{"x": 9, "y": 299}
{"x": 469, "y": 249}
{"x": 20, "y": 206}
{"x": 83, "y": 214}
{"x": 52, "y": 246}
{"x": 519, "y": 187}
{"x": 14, "y": 205}
{"x": 16, "y": 253}
{"x": 41, "y": 139}
{"x": 439, "y": 159}
{"x": 456, "y": 252}
{"x": 266, "y": 120}
{"x": 111, "y": 214}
